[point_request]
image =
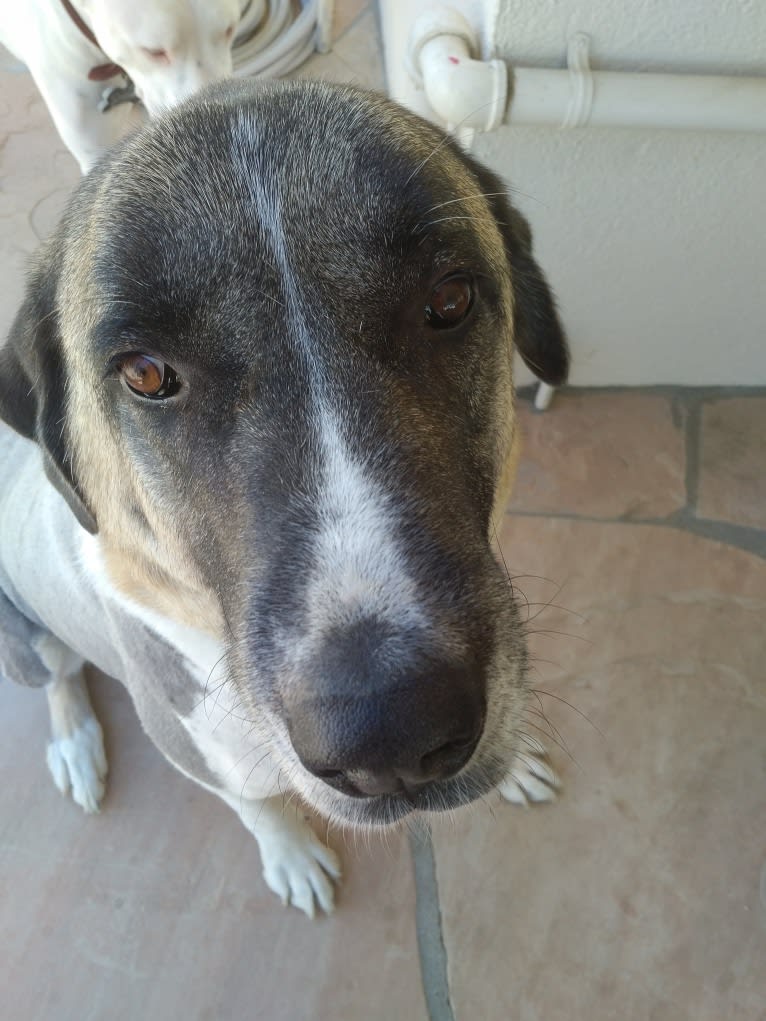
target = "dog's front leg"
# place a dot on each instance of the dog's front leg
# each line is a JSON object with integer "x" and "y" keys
{"x": 297, "y": 866}
{"x": 75, "y": 754}
{"x": 73, "y": 105}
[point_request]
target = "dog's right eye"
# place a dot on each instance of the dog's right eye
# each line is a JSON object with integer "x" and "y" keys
{"x": 450, "y": 302}
{"x": 148, "y": 376}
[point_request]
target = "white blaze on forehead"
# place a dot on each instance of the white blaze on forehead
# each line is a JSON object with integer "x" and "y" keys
{"x": 359, "y": 571}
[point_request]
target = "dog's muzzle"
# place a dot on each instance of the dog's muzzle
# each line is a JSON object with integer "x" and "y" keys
{"x": 373, "y": 722}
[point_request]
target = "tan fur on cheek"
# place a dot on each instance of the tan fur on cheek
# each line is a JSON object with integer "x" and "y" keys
{"x": 148, "y": 584}
{"x": 509, "y": 436}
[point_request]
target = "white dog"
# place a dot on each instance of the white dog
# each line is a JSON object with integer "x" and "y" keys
{"x": 76, "y": 50}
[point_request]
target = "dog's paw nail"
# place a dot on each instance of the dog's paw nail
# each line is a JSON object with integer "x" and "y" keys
{"x": 542, "y": 770}
{"x": 57, "y": 767}
{"x": 88, "y": 796}
{"x": 531, "y": 780}
{"x": 300, "y": 870}
{"x": 303, "y": 885}
{"x": 328, "y": 859}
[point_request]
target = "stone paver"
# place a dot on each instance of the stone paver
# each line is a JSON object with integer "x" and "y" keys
{"x": 732, "y": 470}
{"x": 603, "y": 455}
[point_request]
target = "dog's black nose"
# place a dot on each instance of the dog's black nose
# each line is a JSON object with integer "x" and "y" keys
{"x": 387, "y": 736}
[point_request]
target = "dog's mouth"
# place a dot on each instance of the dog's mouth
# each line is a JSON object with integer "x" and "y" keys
{"x": 387, "y": 809}
{"x": 477, "y": 780}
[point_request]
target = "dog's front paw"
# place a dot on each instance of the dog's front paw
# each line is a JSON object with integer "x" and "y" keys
{"x": 531, "y": 779}
{"x": 297, "y": 866}
{"x": 78, "y": 763}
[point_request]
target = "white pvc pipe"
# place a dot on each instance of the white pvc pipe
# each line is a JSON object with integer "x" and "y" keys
{"x": 470, "y": 93}
{"x": 627, "y": 99}
{"x": 466, "y": 93}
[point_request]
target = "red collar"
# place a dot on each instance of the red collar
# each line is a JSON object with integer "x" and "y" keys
{"x": 101, "y": 72}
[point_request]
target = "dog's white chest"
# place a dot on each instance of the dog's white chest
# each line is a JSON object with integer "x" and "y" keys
{"x": 229, "y": 740}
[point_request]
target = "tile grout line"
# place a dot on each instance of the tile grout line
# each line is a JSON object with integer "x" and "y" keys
{"x": 428, "y": 921}
{"x": 686, "y": 407}
{"x": 692, "y": 444}
{"x": 743, "y": 537}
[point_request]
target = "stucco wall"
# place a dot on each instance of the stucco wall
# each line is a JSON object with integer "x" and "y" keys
{"x": 655, "y": 241}
{"x": 724, "y": 36}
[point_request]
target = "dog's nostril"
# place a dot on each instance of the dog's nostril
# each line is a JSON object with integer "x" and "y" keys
{"x": 446, "y": 760}
{"x": 359, "y": 783}
{"x": 432, "y": 760}
{"x": 329, "y": 774}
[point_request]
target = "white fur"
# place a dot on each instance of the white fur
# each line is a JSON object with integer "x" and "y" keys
{"x": 297, "y": 866}
{"x": 358, "y": 570}
{"x": 228, "y": 741}
{"x": 192, "y": 35}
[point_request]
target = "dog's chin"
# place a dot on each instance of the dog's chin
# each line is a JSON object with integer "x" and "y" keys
{"x": 389, "y": 809}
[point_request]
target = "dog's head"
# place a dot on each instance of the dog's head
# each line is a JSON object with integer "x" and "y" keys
{"x": 268, "y": 357}
{"x": 169, "y": 48}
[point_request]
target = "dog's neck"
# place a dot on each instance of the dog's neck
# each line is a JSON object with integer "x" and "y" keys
{"x": 101, "y": 72}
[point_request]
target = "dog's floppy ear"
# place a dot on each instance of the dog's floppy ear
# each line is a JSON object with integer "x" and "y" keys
{"x": 538, "y": 333}
{"x": 33, "y": 388}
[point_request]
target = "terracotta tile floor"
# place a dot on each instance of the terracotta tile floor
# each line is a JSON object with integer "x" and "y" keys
{"x": 640, "y": 518}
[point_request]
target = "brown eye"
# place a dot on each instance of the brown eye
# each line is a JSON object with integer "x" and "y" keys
{"x": 149, "y": 376}
{"x": 450, "y": 302}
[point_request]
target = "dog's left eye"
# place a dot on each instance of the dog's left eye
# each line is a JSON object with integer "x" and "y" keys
{"x": 148, "y": 376}
{"x": 450, "y": 301}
